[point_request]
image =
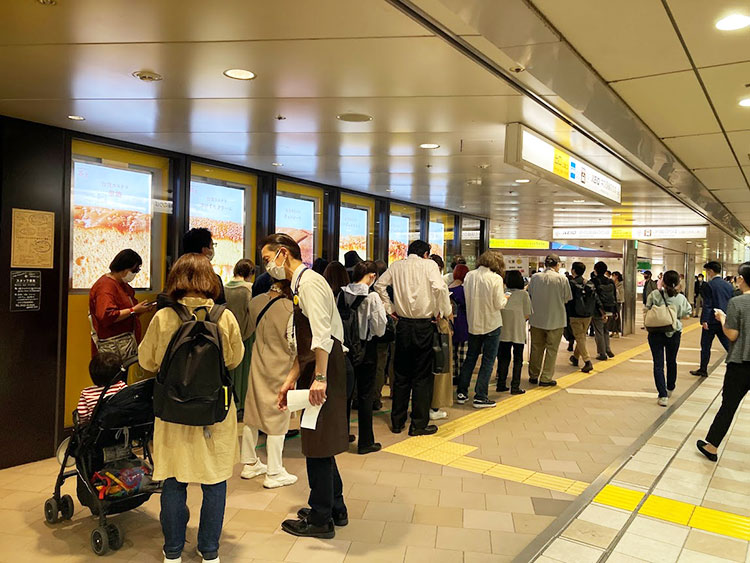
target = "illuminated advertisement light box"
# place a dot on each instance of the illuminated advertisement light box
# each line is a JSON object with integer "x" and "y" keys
{"x": 221, "y": 210}
{"x": 530, "y": 151}
{"x": 398, "y": 238}
{"x": 296, "y": 217}
{"x": 518, "y": 243}
{"x": 630, "y": 233}
{"x": 437, "y": 238}
{"x": 111, "y": 212}
{"x": 353, "y": 232}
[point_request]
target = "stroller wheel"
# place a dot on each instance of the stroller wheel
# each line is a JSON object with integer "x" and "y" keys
{"x": 115, "y": 536}
{"x": 66, "y": 507}
{"x": 51, "y": 511}
{"x": 100, "y": 540}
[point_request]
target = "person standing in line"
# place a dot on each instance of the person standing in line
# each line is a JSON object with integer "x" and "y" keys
{"x": 667, "y": 343}
{"x": 457, "y": 259}
{"x": 716, "y": 296}
{"x": 700, "y": 283}
{"x": 384, "y": 370}
{"x": 549, "y": 292}
{"x": 485, "y": 299}
{"x": 736, "y": 326}
{"x": 581, "y": 308}
{"x": 200, "y": 241}
{"x": 513, "y": 335}
{"x": 239, "y": 294}
{"x": 460, "y": 324}
{"x": 615, "y": 327}
{"x": 351, "y": 259}
{"x": 336, "y": 276}
{"x": 607, "y": 295}
{"x": 419, "y": 295}
{"x": 442, "y": 385}
{"x": 320, "y": 366}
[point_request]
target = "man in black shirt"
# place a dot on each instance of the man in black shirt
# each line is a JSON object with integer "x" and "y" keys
{"x": 607, "y": 296}
{"x": 200, "y": 241}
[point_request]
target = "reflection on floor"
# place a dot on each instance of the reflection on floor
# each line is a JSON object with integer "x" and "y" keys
{"x": 483, "y": 489}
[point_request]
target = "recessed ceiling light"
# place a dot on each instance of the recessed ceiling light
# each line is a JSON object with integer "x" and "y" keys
{"x": 239, "y": 74}
{"x": 47, "y": 2}
{"x": 579, "y": 201}
{"x": 354, "y": 117}
{"x": 733, "y": 22}
{"x": 745, "y": 102}
{"x": 147, "y": 76}
{"x": 463, "y": 207}
{"x": 276, "y": 164}
{"x": 76, "y": 118}
{"x": 523, "y": 181}
{"x": 429, "y": 146}
{"x": 389, "y": 189}
{"x": 483, "y": 166}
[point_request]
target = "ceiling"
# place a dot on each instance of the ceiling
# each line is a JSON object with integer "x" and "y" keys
{"x": 315, "y": 60}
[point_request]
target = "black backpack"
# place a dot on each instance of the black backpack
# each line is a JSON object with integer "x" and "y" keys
{"x": 350, "y": 320}
{"x": 584, "y": 298}
{"x": 608, "y": 296}
{"x": 193, "y": 386}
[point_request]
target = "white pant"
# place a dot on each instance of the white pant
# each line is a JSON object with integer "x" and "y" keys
{"x": 274, "y": 448}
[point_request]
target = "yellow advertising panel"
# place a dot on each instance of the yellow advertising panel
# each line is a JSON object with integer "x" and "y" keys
{"x": 519, "y": 243}
{"x": 356, "y": 226}
{"x": 403, "y": 228}
{"x": 299, "y": 213}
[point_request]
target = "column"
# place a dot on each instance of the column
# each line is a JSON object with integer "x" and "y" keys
{"x": 690, "y": 277}
{"x": 630, "y": 275}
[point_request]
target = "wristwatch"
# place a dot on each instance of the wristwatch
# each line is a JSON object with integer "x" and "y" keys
{"x": 321, "y": 378}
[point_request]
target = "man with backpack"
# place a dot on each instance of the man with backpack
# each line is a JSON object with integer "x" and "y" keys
{"x": 580, "y": 310}
{"x": 363, "y": 316}
{"x": 606, "y": 293}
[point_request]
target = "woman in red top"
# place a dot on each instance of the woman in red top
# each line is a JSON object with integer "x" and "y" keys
{"x": 112, "y": 303}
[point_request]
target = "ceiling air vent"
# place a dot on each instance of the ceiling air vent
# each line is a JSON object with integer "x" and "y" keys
{"x": 147, "y": 76}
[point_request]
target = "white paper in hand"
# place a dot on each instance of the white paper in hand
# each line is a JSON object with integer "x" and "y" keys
{"x": 299, "y": 399}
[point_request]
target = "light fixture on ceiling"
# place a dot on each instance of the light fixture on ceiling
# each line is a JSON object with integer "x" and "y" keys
{"x": 523, "y": 181}
{"x": 239, "y": 74}
{"x": 483, "y": 166}
{"x": 474, "y": 182}
{"x": 579, "y": 201}
{"x": 47, "y": 2}
{"x": 462, "y": 207}
{"x": 276, "y": 164}
{"x": 147, "y": 76}
{"x": 745, "y": 102}
{"x": 76, "y": 118}
{"x": 389, "y": 189}
{"x": 280, "y": 117}
{"x": 733, "y": 22}
{"x": 429, "y": 146}
{"x": 354, "y": 117}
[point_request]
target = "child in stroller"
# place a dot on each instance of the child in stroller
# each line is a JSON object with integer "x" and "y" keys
{"x": 111, "y": 476}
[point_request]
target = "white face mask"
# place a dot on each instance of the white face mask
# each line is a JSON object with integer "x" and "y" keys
{"x": 274, "y": 270}
{"x": 129, "y": 277}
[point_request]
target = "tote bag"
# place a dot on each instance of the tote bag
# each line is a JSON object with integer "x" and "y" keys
{"x": 661, "y": 318}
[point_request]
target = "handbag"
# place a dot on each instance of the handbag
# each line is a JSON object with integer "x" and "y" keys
{"x": 124, "y": 345}
{"x": 441, "y": 352}
{"x": 660, "y": 318}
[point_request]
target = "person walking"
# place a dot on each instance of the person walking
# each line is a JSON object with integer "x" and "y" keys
{"x": 320, "y": 366}
{"x": 667, "y": 344}
{"x": 513, "y": 334}
{"x": 419, "y": 295}
{"x": 607, "y": 295}
{"x": 581, "y": 308}
{"x": 716, "y": 295}
{"x": 700, "y": 283}
{"x": 549, "y": 292}
{"x": 736, "y": 326}
{"x": 460, "y": 324}
{"x": 239, "y": 294}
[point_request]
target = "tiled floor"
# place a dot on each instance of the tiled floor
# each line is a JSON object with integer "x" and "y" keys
{"x": 492, "y": 487}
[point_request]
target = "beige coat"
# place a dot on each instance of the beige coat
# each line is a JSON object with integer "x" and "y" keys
{"x": 269, "y": 366}
{"x": 187, "y": 453}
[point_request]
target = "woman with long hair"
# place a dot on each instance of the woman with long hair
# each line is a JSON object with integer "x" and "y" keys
{"x": 336, "y": 276}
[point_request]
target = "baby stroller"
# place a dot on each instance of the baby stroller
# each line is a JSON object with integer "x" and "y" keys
{"x": 111, "y": 477}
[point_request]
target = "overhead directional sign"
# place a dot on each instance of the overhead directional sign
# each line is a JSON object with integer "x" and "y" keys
{"x": 630, "y": 233}
{"x": 518, "y": 243}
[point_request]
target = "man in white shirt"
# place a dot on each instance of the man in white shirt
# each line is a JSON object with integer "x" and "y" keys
{"x": 419, "y": 294}
{"x": 485, "y": 298}
{"x": 549, "y": 292}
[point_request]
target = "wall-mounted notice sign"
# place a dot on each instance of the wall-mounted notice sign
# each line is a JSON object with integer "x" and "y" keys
{"x": 518, "y": 243}
{"x": 530, "y": 151}
{"x": 32, "y": 239}
{"x": 630, "y": 233}
{"x": 26, "y": 290}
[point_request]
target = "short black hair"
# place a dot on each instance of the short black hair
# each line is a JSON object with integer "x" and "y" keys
{"x": 438, "y": 260}
{"x": 744, "y": 272}
{"x": 419, "y": 247}
{"x": 713, "y": 265}
{"x": 514, "y": 279}
{"x": 104, "y": 367}
{"x": 125, "y": 260}
{"x": 600, "y": 268}
{"x": 579, "y": 268}
{"x": 195, "y": 240}
{"x": 382, "y": 267}
{"x": 282, "y": 240}
{"x": 647, "y": 274}
{"x": 363, "y": 268}
{"x": 244, "y": 268}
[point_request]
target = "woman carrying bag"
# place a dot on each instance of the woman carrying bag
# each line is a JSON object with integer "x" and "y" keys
{"x": 664, "y": 310}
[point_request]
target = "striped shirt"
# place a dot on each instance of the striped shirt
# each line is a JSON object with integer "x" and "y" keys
{"x": 89, "y": 397}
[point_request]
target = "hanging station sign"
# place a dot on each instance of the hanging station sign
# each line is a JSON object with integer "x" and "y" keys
{"x": 530, "y": 151}
{"x": 519, "y": 243}
{"x": 630, "y": 233}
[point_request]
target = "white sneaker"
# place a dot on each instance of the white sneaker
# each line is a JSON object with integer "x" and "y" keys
{"x": 250, "y": 471}
{"x": 663, "y": 401}
{"x": 178, "y": 560}
{"x": 281, "y": 479}
{"x": 215, "y": 560}
{"x": 437, "y": 415}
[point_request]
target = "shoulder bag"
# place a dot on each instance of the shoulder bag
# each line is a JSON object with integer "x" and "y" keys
{"x": 124, "y": 345}
{"x": 660, "y": 318}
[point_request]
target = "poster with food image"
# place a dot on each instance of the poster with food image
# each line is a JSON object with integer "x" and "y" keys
{"x": 353, "y": 231}
{"x": 296, "y": 217}
{"x": 111, "y": 211}
{"x": 398, "y": 238}
{"x": 221, "y": 210}
{"x": 437, "y": 239}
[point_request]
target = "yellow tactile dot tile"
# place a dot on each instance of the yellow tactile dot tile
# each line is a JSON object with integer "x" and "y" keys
{"x": 509, "y": 473}
{"x": 442, "y": 458}
{"x": 577, "y": 488}
{"x": 667, "y": 509}
{"x": 619, "y": 497}
{"x": 719, "y": 522}
{"x": 453, "y": 448}
{"x": 472, "y": 464}
{"x": 549, "y": 482}
{"x": 413, "y": 446}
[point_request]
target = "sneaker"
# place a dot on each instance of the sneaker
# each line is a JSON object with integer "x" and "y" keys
{"x": 483, "y": 403}
{"x": 699, "y": 372}
{"x": 587, "y": 367}
{"x": 574, "y": 361}
{"x": 281, "y": 479}
{"x": 250, "y": 471}
{"x": 438, "y": 414}
{"x": 461, "y": 398}
{"x": 214, "y": 560}
{"x": 663, "y": 401}
{"x": 167, "y": 560}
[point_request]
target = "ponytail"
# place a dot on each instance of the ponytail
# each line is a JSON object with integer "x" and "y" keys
{"x": 671, "y": 280}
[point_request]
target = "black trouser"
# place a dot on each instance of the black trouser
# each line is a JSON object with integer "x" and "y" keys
{"x": 350, "y": 384}
{"x": 707, "y": 340}
{"x": 503, "y": 362}
{"x": 365, "y": 376}
{"x": 413, "y": 372}
{"x": 736, "y": 386}
{"x": 326, "y": 490}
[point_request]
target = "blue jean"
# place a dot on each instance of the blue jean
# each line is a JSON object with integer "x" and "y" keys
{"x": 662, "y": 345}
{"x": 487, "y": 345}
{"x": 707, "y": 339}
{"x": 174, "y": 518}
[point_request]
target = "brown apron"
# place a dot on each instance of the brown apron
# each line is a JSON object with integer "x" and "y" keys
{"x": 331, "y": 434}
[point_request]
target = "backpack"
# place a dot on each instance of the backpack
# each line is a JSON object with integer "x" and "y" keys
{"x": 584, "y": 299}
{"x": 608, "y": 297}
{"x": 350, "y": 320}
{"x": 193, "y": 386}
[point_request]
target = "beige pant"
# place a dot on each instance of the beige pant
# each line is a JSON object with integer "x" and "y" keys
{"x": 544, "y": 345}
{"x": 580, "y": 327}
